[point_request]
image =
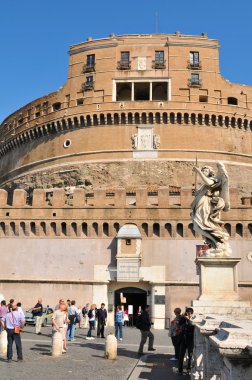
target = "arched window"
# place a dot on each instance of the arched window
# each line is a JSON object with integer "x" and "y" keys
{"x": 165, "y": 119}
{"x": 95, "y": 228}
{"x": 180, "y": 230}
{"x": 220, "y": 120}
{"x": 172, "y": 118}
{"x": 43, "y": 228}
{"x": 179, "y": 118}
{"x": 102, "y": 119}
{"x": 193, "y": 118}
{"x": 245, "y": 124}
{"x": 168, "y": 229}
{"x": 239, "y": 230}
{"x": 200, "y": 119}
{"x": 95, "y": 120}
{"x": 12, "y": 229}
{"x": 53, "y": 228}
{"x": 116, "y": 119}
{"x": 226, "y": 121}
{"x": 239, "y": 123}
{"x": 105, "y": 229}
{"x": 145, "y": 229}
{"x": 233, "y": 122}
{"x": 33, "y": 228}
{"x": 56, "y": 106}
{"x": 22, "y": 228}
{"x": 109, "y": 119}
{"x": 137, "y": 118}
{"x": 89, "y": 121}
{"x": 186, "y": 118}
{"x": 82, "y": 122}
{"x": 116, "y": 227}
{"x": 74, "y": 228}
{"x": 144, "y": 118}
{"x": 157, "y": 117}
{"x": 207, "y": 119}
{"x": 2, "y": 229}
{"x": 213, "y": 120}
{"x": 76, "y": 122}
{"x": 227, "y": 227}
{"x": 232, "y": 101}
{"x": 250, "y": 228}
{"x": 84, "y": 229}
{"x": 156, "y": 229}
{"x": 191, "y": 230}
{"x": 63, "y": 229}
{"x": 150, "y": 118}
{"x": 130, "y": 118}
{"x": 123, "y": 118}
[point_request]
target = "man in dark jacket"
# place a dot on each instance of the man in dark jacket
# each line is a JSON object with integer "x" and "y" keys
{"x": 102, "y": 319}
{"x": 187, "y": 341}
{"x": 144, "y": 325}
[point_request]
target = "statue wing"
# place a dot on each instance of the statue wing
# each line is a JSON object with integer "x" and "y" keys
{"x": 224, "y": 191}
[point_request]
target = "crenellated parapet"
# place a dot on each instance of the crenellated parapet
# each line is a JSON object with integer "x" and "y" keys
{"x": 163, "y": 213}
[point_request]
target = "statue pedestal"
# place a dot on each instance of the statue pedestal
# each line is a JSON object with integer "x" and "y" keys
{"x": 218, "y": 287}
{"x": 218, "y": 278}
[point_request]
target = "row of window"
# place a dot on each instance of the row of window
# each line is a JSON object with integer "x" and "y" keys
{"x": 83, "y": 229}
{"x": 158, "y": 63}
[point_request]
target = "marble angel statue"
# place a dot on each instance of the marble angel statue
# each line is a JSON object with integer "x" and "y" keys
{"x": 210, "y": 199}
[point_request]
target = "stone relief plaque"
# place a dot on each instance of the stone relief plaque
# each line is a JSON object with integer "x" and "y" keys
{"x": 128, "y": 270}
{"x": 141, "y": 63}
{"x": 145, "y": 138}
{"x": 145, "y": 143}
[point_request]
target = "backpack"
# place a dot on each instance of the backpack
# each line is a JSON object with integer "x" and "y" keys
{"x": 84, "y": 311}
{"x": 139, "y": 322}
{"x": 90, "y": 313}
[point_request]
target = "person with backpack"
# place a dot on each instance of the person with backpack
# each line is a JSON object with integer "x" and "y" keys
{"x": 176, "y": 332}
{"x": 187, "y": 341}
{"x": 102, "y": 319}
{"x": 144, "y": 323}
{"x": 91, "y": 320}
{"x": 72, "y": 316}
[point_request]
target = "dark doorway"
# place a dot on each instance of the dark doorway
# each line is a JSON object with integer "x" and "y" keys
{"x": 135, "y": 297}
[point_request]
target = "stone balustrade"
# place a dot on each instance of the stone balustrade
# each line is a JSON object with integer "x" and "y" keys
{"x": 223, "y": 347}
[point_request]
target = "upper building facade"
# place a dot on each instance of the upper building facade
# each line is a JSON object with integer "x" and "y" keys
{"x": 121, "y": 138}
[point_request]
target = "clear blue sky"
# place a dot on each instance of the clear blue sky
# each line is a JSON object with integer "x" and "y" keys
{"x": 35, "y": 36}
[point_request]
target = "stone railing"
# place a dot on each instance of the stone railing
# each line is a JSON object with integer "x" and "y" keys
{"x": 222, "y": 347}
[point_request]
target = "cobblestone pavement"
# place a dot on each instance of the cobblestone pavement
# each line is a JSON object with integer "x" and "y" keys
{"x": 85, "y": 358}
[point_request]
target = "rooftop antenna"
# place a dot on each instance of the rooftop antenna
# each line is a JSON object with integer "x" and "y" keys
{"x": 156, "y": 22}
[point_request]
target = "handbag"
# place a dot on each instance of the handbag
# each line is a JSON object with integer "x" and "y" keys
{"x": 17, "y": 330}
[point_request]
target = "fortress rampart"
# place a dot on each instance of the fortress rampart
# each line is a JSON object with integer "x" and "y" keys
{"x": 164, "y": 213}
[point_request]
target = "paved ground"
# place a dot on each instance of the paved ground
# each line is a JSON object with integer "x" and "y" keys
{"x": 85, "y": 359}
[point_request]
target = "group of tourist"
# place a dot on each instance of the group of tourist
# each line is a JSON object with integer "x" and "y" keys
{"x": 182, "y": 335}
{"x": 66, "y": 316}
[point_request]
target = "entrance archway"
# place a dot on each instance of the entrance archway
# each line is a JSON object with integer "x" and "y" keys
{"x": 134, "y": 296}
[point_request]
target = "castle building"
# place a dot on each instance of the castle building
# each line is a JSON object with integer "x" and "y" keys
{"x": 96, "y": 178}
